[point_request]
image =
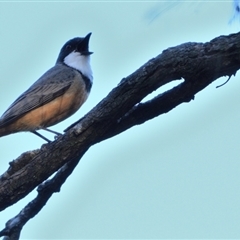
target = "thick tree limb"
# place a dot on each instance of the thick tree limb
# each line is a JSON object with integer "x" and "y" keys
{"x": 197, "y": 63}
{"x": 45, "y": 191}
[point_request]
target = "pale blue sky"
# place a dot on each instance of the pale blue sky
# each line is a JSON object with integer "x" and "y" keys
{"x": 176, "y": 176}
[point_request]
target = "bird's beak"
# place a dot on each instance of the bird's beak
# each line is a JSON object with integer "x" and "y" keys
{"x": 83, "y": 46}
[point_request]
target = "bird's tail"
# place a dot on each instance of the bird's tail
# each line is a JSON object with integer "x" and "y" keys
{"x": 6, "y": 129}
{"x": 3, "y": 132}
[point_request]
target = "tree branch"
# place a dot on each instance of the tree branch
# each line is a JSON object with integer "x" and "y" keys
{"x": 45, "y": 191}
{"x": 197, "y": 63}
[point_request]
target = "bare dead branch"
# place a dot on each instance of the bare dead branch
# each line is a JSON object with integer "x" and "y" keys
{"x": 45, "y": 190}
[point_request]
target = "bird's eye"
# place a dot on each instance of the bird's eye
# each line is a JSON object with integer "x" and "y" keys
{"x": 68, "y": 47}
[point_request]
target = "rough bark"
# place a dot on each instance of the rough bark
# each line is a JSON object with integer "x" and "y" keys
{"x": 198, "y": 64}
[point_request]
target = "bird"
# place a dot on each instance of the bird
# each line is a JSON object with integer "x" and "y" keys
{"x": 56, "y": 95}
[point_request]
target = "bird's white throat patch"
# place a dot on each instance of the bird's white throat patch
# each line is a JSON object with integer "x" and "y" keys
{"x": 79, "y": 62}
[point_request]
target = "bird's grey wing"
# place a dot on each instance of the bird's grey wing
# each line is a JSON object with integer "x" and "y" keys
{"x": 48, "y": 87}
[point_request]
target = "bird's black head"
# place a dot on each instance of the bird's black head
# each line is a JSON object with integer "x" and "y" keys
{"x": 77, "y": 44}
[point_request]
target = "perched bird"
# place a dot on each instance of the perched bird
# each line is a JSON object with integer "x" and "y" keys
{"x": 56, "y": 95}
